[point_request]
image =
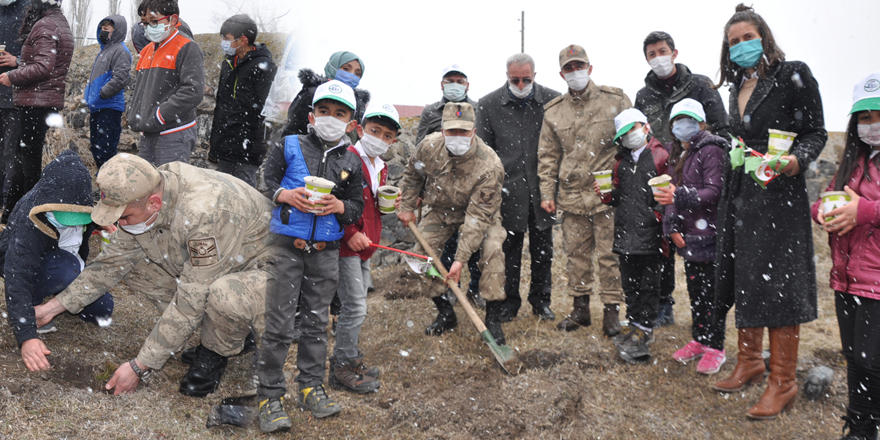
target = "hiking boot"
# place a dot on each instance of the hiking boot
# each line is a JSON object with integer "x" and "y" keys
{"x": 345, "y": 376}
{"x": 358, "y": 363}
{"x": 544, "y": 313}
{"x": 272, "y": 415}
{"x": 446, "y": 319}
{"x": 690, "y": 352}
{"x": 611, "y": 320}
{"x": 861, "y": 426}
{"x": 250, "y": 344}
{"x": 48, "y": 328}
{"x": 493, "y": 321}
{"x": 749, "y": 363}
{"x": 665, "y": 318}
{"x": 204, "y": 374}
{"x": 316, "y": 400}
{"x": 579, "y": 317}
{"x": 475, "y": 299}
{"x": 712, "y": 361}
{"x": 633, "y": 347}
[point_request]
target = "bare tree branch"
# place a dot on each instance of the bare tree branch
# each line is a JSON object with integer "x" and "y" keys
{"x": 114, "y": 6}
{"x": 79, "y": 14}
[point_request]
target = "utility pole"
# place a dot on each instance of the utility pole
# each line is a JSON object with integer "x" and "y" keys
{"x": 522, "y": 31}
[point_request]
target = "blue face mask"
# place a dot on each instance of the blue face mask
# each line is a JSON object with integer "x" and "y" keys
{"x": 685, "y": 129}
{"x": 454, "y": 92}
{"x": 348, "y": 79}
{"x": 747, "y": 53}
{"x": 226, "y": 45}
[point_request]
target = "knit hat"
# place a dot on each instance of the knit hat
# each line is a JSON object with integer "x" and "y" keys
{"x": 122, "y": 180}
{"x": 338, "y": 60}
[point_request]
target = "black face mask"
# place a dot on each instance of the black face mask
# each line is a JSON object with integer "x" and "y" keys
{"x": 104, "y": 37}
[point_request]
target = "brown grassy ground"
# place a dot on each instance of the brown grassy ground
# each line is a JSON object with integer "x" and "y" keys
{"x": 449, "y": 387}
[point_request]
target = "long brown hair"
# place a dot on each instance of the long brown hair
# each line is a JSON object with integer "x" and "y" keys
{"x": 853, "y": 148}
{"x": 732, "y": 72}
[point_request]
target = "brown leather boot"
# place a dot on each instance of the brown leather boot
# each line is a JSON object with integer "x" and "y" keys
{"x": 749, "y": 364}
{"x": 611, "y": 320}
{"x": 782, "y": 383}
{"x": 580, "y": 315}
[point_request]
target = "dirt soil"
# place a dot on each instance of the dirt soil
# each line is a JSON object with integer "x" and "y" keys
{"x": 570, "y": 386}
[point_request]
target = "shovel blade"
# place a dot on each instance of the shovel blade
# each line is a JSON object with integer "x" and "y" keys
{"x": 502, "y": 353}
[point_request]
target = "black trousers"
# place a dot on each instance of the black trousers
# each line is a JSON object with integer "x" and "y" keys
{"x": 10, "y": 126}
{"x": 448, "y": 258}
{"x": 701, "y": 288}
{"x": 541, "y": 251}
{"x": 859, "y": 321}
{"x": 667, "y": 278}
{"x": 640, "y": 280}
{"x": 28, "y": 160}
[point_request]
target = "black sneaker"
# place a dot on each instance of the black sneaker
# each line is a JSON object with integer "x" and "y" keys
{"x": 272, "y": 415}
{"x": 316, "y": 400}
{"x": 204, "y": 374}
{"x": 632, "y": 344}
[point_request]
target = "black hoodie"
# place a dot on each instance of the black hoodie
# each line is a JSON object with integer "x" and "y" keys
{"x": 65, "y": 185}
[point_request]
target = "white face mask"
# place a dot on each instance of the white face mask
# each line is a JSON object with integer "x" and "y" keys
{"x": 458, "y": 145}
{"x": 870, "y": 134}
{"x": 454, "y": 92}
{"x": 373, "y": 146}
{"x": 330, "y": 128}
{"x": 635, "y": 139}
{"x": 521, "y": 94}
{"x": 140, "y": 228}
{"x": 6, "y": 2}
{"x": 51, "y": 218}
{"x": 578, "y": 79}
{"x": 158, "y": 33}
{"x": 662, "y": 66}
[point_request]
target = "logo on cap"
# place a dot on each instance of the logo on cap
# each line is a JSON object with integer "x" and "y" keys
{"x": 458, "y": 113}
{"x": 388, "y": 107}
{"x": 334, "y": 88}
{"x": 103, "y": 196}
{"x": 572, "y": 51}
{"x": 872, "y": 85}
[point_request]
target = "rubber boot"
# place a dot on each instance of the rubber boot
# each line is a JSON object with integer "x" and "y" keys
{"x": 493, "y": 320}
{"x": 611, "y": 320}
{"x": 446, "y": 319}
{"x": 782, "y": 382}
{"x": 580, "y": 315}
{"x": 749, "y": 363}
{"x": 861, "y": 426}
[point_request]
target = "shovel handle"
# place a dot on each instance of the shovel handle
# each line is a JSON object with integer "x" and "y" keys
{"x": 462, "y": 299}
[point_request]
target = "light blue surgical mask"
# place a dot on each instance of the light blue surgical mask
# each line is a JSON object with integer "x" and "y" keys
{"x": 747, "y": 53}
{"x": 454, "y": 92}
{"x": 685, "y": 129}
{"x": 347, "y": 78}
{"x": 51, "y": 218}
{"x": 226, "y": 45}
{"x": 158, "y": 33}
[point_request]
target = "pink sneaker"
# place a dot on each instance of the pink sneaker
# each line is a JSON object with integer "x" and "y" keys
{"x": 690, "y": 352}
{"x": 712, "y": 361}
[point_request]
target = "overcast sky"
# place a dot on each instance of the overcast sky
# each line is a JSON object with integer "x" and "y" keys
{"x": 406, "y": 44}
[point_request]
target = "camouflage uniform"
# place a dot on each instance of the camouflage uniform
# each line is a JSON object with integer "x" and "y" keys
{"x": 464, "y": 194}
{"x": 203, "y": 263}
{"x": 575, "y": 141}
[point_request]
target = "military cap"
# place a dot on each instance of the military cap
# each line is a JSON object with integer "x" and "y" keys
{"x": 573, "y": 53}
{"x": 458, "y": 115}
{"x": 122, "y": 180}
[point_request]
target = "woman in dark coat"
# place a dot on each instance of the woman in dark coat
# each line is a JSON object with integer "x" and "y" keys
{"x": 765, "y": 242}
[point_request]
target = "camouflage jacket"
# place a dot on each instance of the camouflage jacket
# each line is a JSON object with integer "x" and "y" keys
{"x": 465, "y": 190}
{"x": 209, "y": 226}
{"x": 575, "y": 141}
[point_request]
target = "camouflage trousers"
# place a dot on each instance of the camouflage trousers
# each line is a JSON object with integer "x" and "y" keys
{"x": 584, "y": 237}
{"x": 491, "y": 264}
{"x": 236, "y": 304}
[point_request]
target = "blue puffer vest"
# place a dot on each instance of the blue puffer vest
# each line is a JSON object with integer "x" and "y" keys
{"x": 287, "y": 220}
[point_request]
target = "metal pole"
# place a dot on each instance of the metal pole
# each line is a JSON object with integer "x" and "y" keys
{"x": 522, "y": 31}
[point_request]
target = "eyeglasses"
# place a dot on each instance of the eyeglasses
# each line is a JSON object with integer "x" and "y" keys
{"x": 153, "y": 23}
{"x": 526, "y": 81}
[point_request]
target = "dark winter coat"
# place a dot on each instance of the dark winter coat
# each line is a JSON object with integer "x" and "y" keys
{"x": 111, "y": 71}
{"x": 512, "y": 127}
{"x": 656, "y": 102}
{"x": 140, "y": 41}
{"x": 45, "y": 58}
{"x": 298, "y": 112}
{"x": 855, "y": 257}
{"x": 765, "y": 239}
{"x": 432, "y": 116}
{"x": 370, "y": 223}
{"x": 694, "y": 213}
{"x": 638, "y": 228}
{"x": 65, "y": 185}
{"x": 10, "y": 22}
{"x": 337, "y": 165}
{"x": 237, "y": 130}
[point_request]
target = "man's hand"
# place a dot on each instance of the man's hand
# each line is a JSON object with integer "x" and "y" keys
{"x": 33, "y": 353}
{"x": 549, "y": 206}
{"x": 406, "y": 217}
{"x": 109, "y": 228}
{"x": 677, "y": 239}
{"x": 455, "y": 271}
{"x": 846, "y": 215}
{"x": 332, "y": 205}
{"x": 297, "y": 197}
{"x": 666, "y": 196}
{"x": 125, "y": 380}
{"x": 46, "y": 312}
{"x": 4, "y": 80}
{"x": 359, "y": 242}
{"x": 793, "y": 168}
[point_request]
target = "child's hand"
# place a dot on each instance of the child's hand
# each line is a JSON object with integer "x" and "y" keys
{"x": 297, "y": 197}
{"x": 846, "y": 215}
{"x": 359, "y": 242}
{"x": 332, "y": 205}
{"x": 596, "y": 189}
{"x": 666, "y": 196}
{"x": 677, "y": 240}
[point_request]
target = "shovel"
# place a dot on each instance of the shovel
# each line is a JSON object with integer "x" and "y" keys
{"x": 502, "y": 353}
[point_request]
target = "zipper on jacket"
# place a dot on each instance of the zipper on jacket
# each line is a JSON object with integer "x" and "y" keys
{"x": 320, "y": 174}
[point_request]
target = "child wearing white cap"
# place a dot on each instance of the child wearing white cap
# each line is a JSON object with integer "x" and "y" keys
{"x": 855, "y": 240}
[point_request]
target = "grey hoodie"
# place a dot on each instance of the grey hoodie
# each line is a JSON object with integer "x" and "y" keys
{"x": 110, "y": 73}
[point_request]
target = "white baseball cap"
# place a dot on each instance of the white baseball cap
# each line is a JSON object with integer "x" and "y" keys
{"x": 626, "y": 119}
{"x": 689, "y": 107}
{"x": 866, "y": 94}
{"x": 336, "y": 90}
{"x": 387, "y": 110}
{"x": 453, "y": 68}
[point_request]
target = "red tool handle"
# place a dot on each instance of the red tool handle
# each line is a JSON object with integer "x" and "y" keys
{"x": 398, "y": 250}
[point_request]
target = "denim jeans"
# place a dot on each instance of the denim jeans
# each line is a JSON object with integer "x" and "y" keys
{"x": 353, "y": 278}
